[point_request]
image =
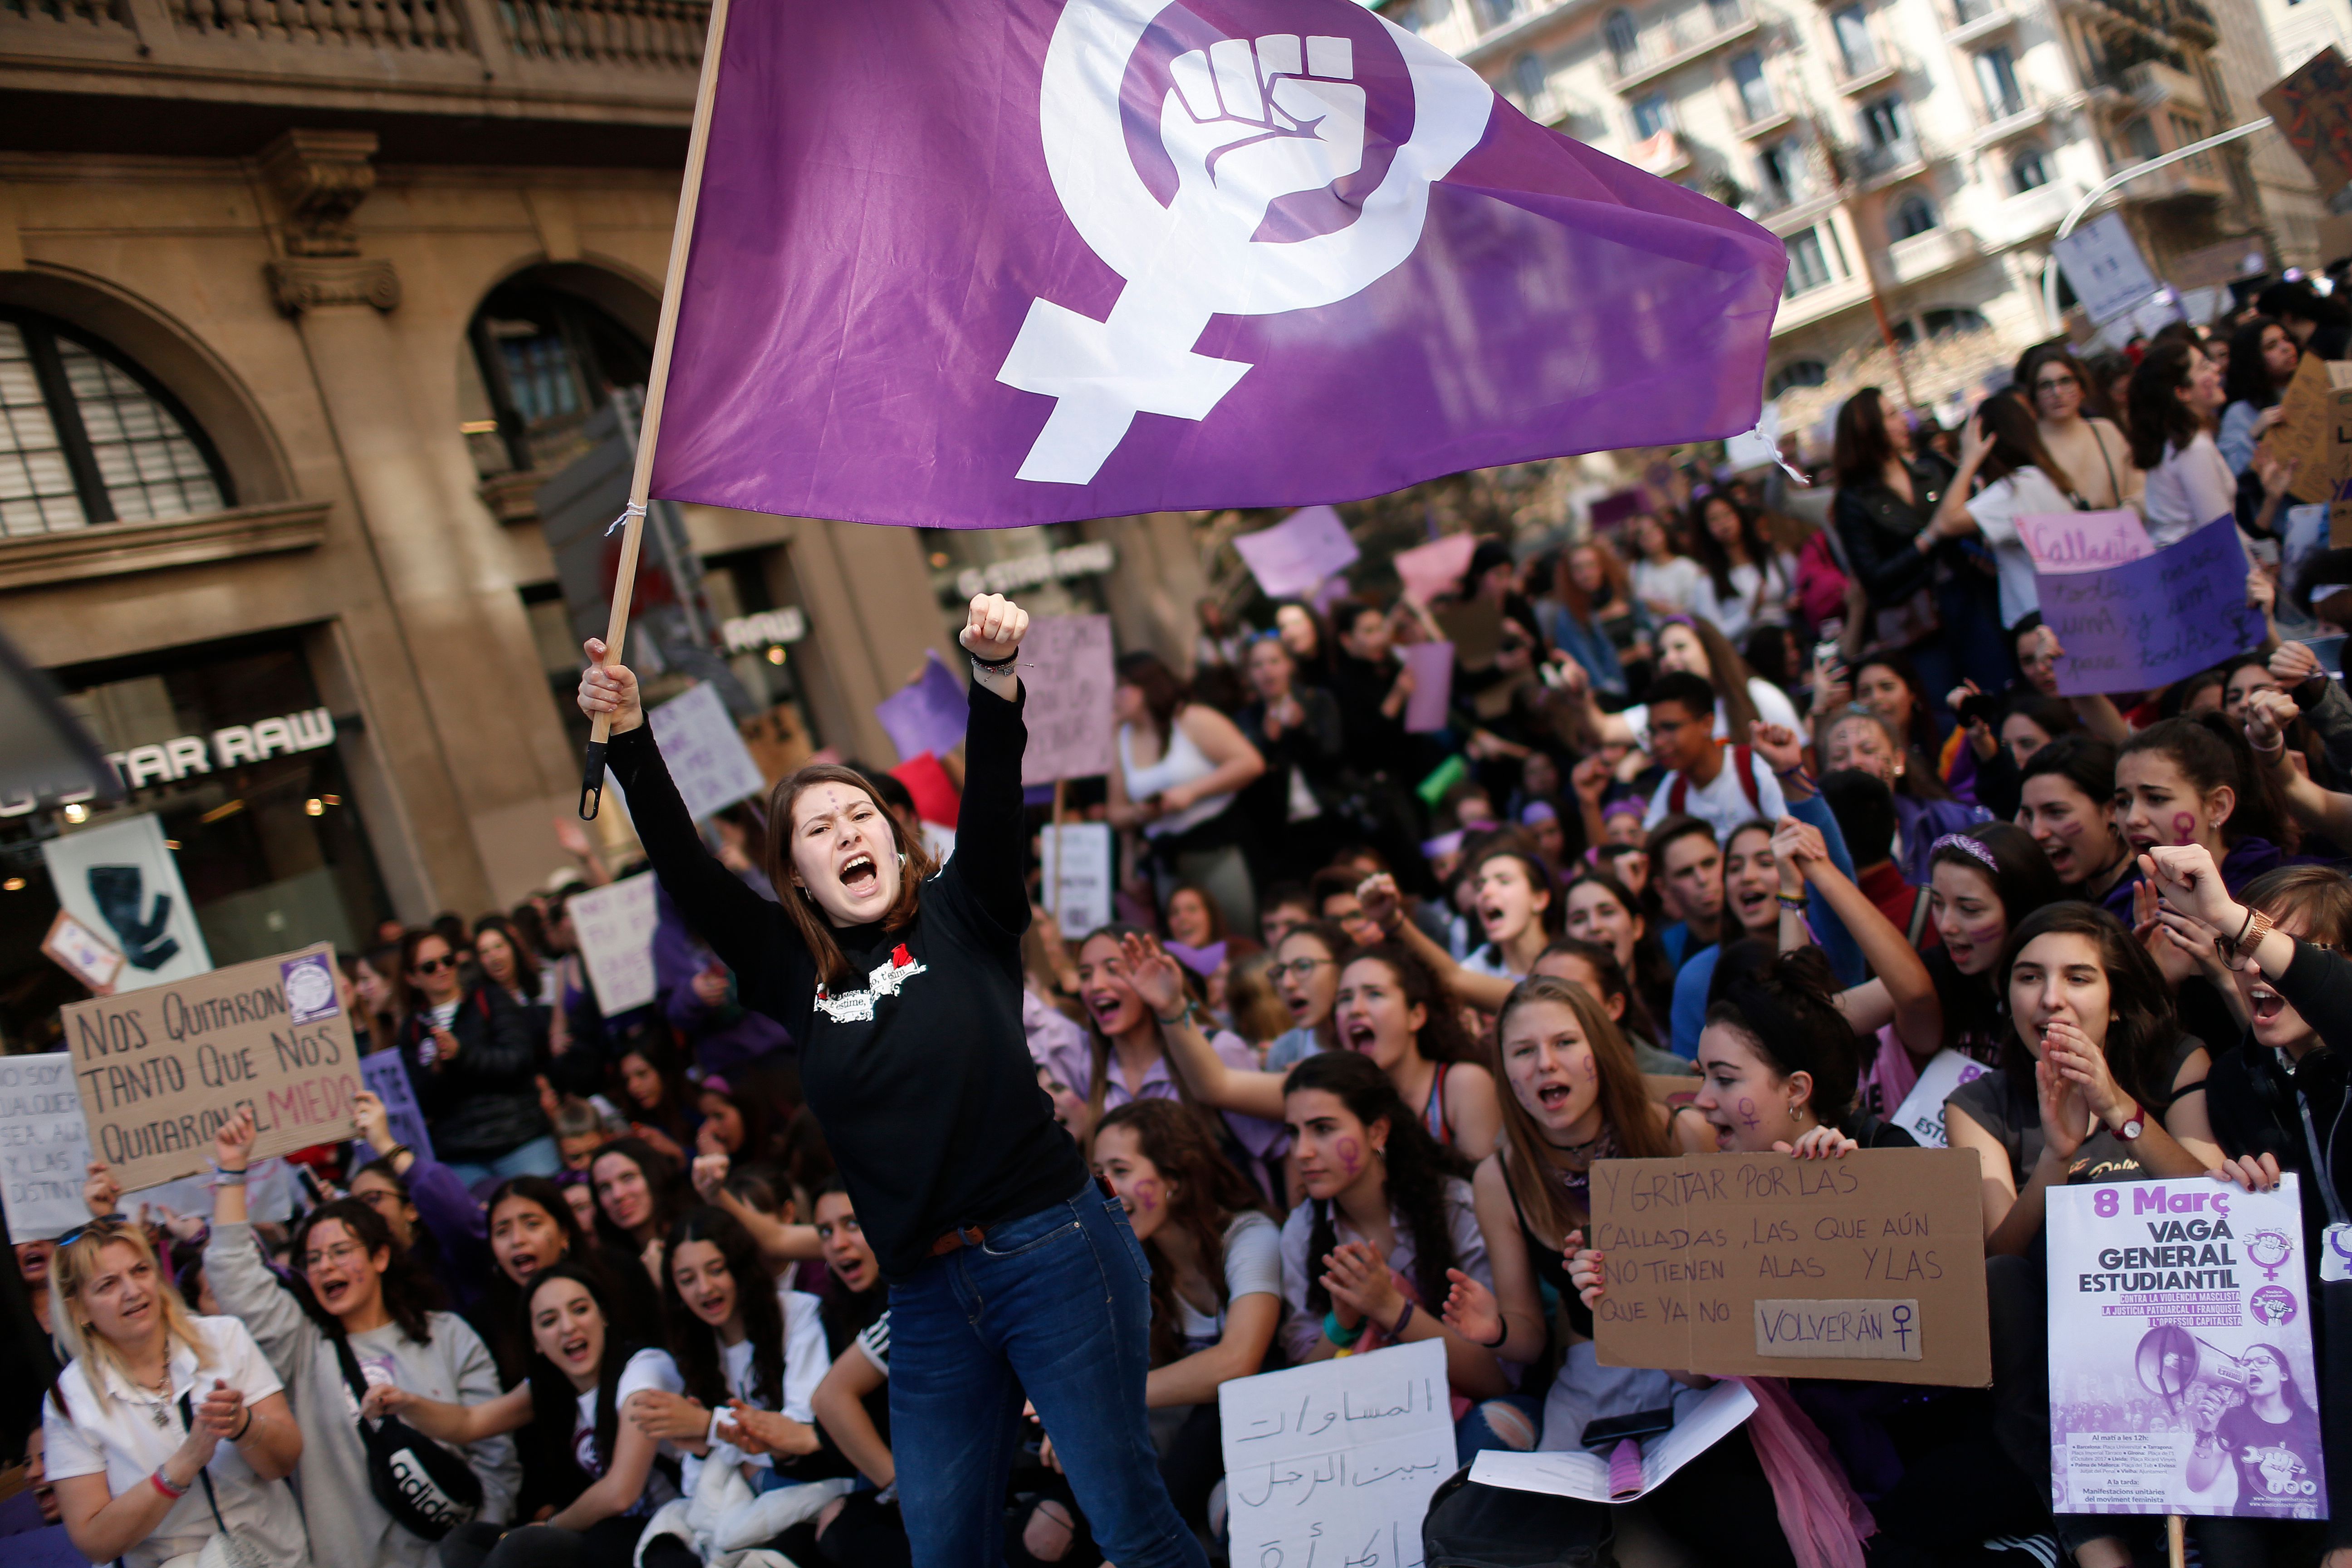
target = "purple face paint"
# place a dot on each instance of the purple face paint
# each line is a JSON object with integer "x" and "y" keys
{"x": 1747, "y": 1113}
{"x": 2184, "y": 827}
{"x": 1147, "y": 1195}
{"x": 1352, "y": 1155}
{"x": 1592, "y": 1068}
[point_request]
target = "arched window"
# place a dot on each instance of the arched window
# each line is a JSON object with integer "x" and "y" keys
{"x": 1951, "y": 321}
{"x": 1797, "y": 373}
{"x": 1617, "y": 32}
{"x": 86, "y": 437}
{"x": 2027, "y": 172}
{"x": 549, "y": 360}
{"x": 1914, "y": 215}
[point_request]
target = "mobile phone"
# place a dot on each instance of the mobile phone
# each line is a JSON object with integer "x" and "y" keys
{"x": 1604, "y": 1434}
{"x": 1979, "y": 707}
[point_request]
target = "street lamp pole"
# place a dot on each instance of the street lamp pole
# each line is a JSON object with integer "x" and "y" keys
{"x": 2091, "y": 198}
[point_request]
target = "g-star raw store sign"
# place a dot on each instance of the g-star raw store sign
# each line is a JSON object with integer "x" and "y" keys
{"x": 228, "y": 746}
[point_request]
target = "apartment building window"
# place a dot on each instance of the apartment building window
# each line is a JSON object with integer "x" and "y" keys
{"x": 1807, "y": 267}
{"x": 1914, "y": 215}
{"x": 2140, "y": 137}
{"x": 1854, "y": 41}
{"x": 1728, "y": 13}
{"x": 1624, "y": 45}
{"x": 1755, "y": 92}
{"x": 85, "y": 437}
{"x": 549, "y": 360}
{"x": 1652, "y": 115}
{"x": 2186, "y": 131}
{"x": 1528, "y": 75}
{"x": 1797, "y": 373}
{"x": 1887, "y": 121}
{"x": 2028, "y": 171}
{"x": 1777, "y": 169}
{"x": 1997, "y": 80}
{"x": 1494, "y": 13}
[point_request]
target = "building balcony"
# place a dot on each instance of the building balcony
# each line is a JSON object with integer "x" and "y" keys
{"x": 1537, "y": 18}
{"x": 628, "y": 61}
{"x": 2000, "y": 121}
{"x": 1883, "y": 165}
{"x": 2029, "y": 217}
{"x": 1662, "y": 155}
{"x": 2181, "y": 184}
{"x": 1820, "y": 304}
{"x": 1926, "y": 255}
{"x": 1867, "y": 76}
{"x": 1974, "y": 20}
{"x": 1785, "y": 213}
{"x": 2149, "y": 85}
{"x": 1669, "y": 48}
{"x": 1769, "y": 123}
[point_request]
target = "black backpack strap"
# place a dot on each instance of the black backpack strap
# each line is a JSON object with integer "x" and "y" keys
{"x": 203, "y": 1472}
{"x": 352, "y": 1376}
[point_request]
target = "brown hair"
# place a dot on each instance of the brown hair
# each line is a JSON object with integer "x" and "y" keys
{"x": 915, "y": 866}
{"x": 1258, "y": 1012}
{"x": 2016, "y": 441}
{"x": 1861, "y": 451}
{"x": 1727, "y": 672}
{"x": 1205, "y": 1193}
{"x": 2322, "y": 895}
{"x": 1614, "y": 573}
{"x": 1625, "y": 1105}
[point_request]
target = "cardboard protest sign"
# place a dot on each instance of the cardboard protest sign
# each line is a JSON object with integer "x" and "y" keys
{"x": 2315, "y": 403}
{"x": 614, "y": 926}
{"x": 44, "y": 1145}
{"x": 2104, "y": 267}
{"x": 1432, "y": 663}
{"x": 2148, "y": 623}
{"x": 386, "y": 1077}
{"x": 1574, "y": 1472}
{"x": 120, "y": 881}
{"x": 82, "y": 952}
{"x": 2311, "y": 108}
{"x": 1429, "y": 569}
{"x": 707, "y": 757}
{"x": 1871, "y": 1266}
{"x": 2181, "y": 1378}
{"x": 1921, "y": 1114}
{"x": 1341, "y": 1454}
{"x": 1295, "y": 554}
{"x": 2084, "y": 540}
{"x": 1065, "y": 663}
{"x": 1077, "y": 876}
{"x": 927, "y": 714}
{"x": 159, "y": 1070}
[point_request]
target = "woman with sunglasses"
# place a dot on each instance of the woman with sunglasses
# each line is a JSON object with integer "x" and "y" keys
{"x": 164, "y": 1429}
{"x": 2090, "y": 449}
{"x": 1012, "y": 1271}
{"x": 471, "y": 1054}
{"x": 359, "y": 1306}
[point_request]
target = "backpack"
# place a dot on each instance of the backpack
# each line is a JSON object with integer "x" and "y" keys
{"x": 428, "y": 1490}
{"x": 1473, "y": 1526}
{"x": 1743, "y": 768}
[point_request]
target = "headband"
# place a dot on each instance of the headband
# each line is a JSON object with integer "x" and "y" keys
{"x": 1972, "y": 848}
{"x": 1536, "y": 811}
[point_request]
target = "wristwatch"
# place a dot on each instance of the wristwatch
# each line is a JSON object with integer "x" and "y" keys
{"x": 2134, "y": 1123}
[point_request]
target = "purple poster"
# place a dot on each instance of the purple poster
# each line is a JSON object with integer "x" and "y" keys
{"x": 2151, "y": 621}
{"x": 1297, "y": 552}
{"x": 2181, "y": 1378}
{"x": 927, "y": 714}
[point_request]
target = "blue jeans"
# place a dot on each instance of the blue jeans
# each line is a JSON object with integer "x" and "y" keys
{"x": 1055, "y": 1305}
{"x": 540, "y": 1157}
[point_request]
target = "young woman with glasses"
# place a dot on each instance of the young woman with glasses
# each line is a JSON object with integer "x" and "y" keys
{"x": 2090, "y": 449}
{"x": 358, "y": 1294}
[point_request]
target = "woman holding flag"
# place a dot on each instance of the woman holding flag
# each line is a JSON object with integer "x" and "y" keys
{"x": 1012, "y": 1273}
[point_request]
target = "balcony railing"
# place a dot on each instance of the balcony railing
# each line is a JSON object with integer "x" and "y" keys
{"x": 1690, "y": 35}
{"x": 431, "y": 24}
{"x": 1924, "y": 255}
{"x": 1891, "y": 158}
{"x": 1974, "y": 19}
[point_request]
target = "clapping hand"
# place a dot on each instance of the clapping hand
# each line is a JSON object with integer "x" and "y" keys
{"x": 1470, "y": 1309}
{"x": 222, "y": 1412}
{"x": 1359, "y": 1278}
{"x": 2069, "y": 1053}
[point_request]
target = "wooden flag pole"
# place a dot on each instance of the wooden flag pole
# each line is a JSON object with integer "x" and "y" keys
{"x": 632, "y": 520}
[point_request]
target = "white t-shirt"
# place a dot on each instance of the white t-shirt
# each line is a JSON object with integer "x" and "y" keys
{"x": 1722, "y": 805}
{"x": 1746, "y": 608}
{"x": 2190, "y": 488}
{"x": 110, "y": 1429}
{"x": 1771, "y": 704}
{"x": 804, "y": 1358}
{"x": 1300, "y": 1328}
{"x": 2025, "y": 493}
{"x": 1489, "y": 962}
{"x": 1672, "y": 585}
{"x": 1253, "y": 1266}
{"x": 647, "y": 1369}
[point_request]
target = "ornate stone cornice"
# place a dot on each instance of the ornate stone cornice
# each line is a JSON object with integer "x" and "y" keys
{"x": 322, "y": 176}
{"x": 299, "y": 285}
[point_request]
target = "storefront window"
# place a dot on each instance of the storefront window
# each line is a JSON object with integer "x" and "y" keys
{"x": 233, "y": 751}
{"x": 1051, "y": 568}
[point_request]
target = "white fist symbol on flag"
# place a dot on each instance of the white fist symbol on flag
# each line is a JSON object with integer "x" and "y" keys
{"x": 1247, "y": 123}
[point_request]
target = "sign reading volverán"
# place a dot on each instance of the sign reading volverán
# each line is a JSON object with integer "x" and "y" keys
{"x": 159, "y": 1070}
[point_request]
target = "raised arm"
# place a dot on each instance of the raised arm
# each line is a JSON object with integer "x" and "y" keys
{"x": 781, "y": 1244}
{"x": 990, "y": 844}
{"x": 1158, "y": 982}
{"x": 737, "y": 922}
{"x": 2267, "y": 715}
{"x": 1902, "y": 994}
{"x": 1385, "y": 906}
{"x": 236, "y": 1270}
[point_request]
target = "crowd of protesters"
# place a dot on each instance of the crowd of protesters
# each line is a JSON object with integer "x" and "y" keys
{"x": 1734, "y": 809}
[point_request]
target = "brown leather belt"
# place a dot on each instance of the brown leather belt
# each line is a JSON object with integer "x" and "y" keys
{"x": 973, "y": 1234}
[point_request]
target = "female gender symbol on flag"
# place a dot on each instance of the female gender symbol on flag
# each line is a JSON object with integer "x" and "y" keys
{"x": 987, "y": 265}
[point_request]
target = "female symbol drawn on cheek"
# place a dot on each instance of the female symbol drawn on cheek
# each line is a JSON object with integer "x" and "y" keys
{"x": 2184, "y": 827}
{"x": 1147, "y": 1195}
{"x": 1592, "y": 1068}
{"x": 1748, "y": 1112}
{"x": 1351, "y": 1156}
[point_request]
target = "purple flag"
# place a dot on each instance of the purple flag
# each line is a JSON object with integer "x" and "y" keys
{"x": 981, "y": 266}
{"x": 927, "y": 714}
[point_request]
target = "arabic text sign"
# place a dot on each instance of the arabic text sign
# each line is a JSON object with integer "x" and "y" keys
{"x": 2148, "y": 623}
{"x": 707, "y": 757}
{"x": 1295, "y": 554}
{"x": 1870, "y": 1266}
{"x": 2084, "y": 540}
{"x": 1337, "y": 1457}
{"x": 1065, "y": 665}
{"x": 2181, "y": 1378}
{"x": 160, "y": 1069}
{"x": 43, "y": 1145}
{"x": 614, "y": 925}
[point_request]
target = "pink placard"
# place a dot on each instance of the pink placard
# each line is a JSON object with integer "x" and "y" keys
{"x": 2084, "y": 540}
{"x": 1432, "y": 663}
{"x": 1297, "y": 552}
{"x": 1429, "y": 569}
